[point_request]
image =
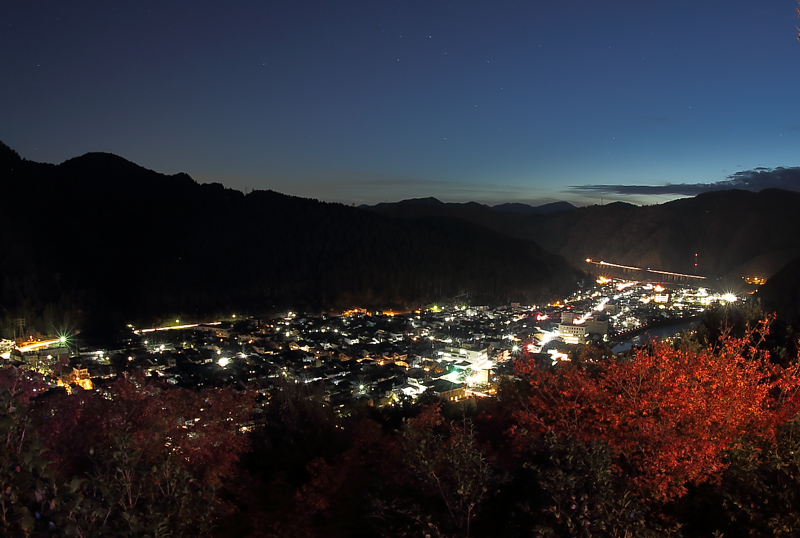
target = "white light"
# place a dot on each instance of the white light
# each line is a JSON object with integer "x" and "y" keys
{"x": 223, "y": 361}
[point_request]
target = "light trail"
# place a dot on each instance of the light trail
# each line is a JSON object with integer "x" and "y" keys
{"x": 630, "y": 268}
{"x": 174, "y": 327}
{"x": 37, "y": 345}
{"x": 655, "y": 271}
{"x": 676, "y": 274}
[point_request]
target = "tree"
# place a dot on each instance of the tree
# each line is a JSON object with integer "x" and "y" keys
{"x": 201, "y": 429}
{"x": 669, "y": 414}
{"x": 577, "y": 493}
{"x": 126, "y": 495}
{"x": 757, "y": 495}
{"x": 449, "y": 469}
{"x": 27, "y": 485}
{"x": 140, "y": 459}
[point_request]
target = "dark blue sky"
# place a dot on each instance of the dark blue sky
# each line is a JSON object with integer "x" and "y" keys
{"x": 364, "y": 101}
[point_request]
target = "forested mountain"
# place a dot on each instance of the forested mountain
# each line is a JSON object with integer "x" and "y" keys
{"x": 733, "y": 232}
{"x": 100, "y": 236}
{"x": 554, "y": 207}
{"x": 781, "y": 293}
{"x": 479, "y": 213}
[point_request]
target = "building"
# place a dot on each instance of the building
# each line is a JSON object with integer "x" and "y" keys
{"x": 447, "y": 390}
{"x": 572, "y": 334}
{"x": 595, "y": 326}
{"x": 477, "y": 359}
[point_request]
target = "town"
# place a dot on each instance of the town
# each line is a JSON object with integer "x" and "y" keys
{"x": 379, "y": 358}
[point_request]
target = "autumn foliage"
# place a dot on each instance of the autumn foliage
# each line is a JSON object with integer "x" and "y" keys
{"x": 134, "y": 458}
{"x": 669, "y": 413}
{"x": 199, "y": 428}
{"x": 670, "y": 440}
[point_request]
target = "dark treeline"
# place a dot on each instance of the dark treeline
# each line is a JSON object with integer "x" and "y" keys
{"x": 100, "y": 237}
{"x": 781, "y": 293}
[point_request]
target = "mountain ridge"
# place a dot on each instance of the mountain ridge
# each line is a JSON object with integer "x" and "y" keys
{"x": 733, "y": 232}
{"x": 102, "y": 235}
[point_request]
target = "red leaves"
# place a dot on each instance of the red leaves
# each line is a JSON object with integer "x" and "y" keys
{"x": 200, "y": 427}
{"x": 23, "y": 384}
{"x": 670, "y": 414}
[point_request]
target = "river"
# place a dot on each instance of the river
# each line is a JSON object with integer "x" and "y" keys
{"x": 656, "y": 333}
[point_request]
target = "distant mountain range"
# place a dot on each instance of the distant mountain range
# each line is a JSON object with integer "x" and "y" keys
{"x": 407, "y": 208}
{"x": 103, "y": 238}
{"x": 100, "y": 237}
{"x": 525, "y": 209}
{"x": 732, "y": 232}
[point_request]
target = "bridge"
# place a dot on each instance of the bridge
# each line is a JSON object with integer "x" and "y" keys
{"x": 653, "y": 273}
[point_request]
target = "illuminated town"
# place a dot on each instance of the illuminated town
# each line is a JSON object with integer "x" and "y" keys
{"x": 378, "y": 357}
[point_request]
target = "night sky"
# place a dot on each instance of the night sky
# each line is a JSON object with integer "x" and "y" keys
{"x": 366, "y": 101}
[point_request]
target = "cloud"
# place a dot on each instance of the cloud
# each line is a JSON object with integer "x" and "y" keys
{"x": 757, "y": 179}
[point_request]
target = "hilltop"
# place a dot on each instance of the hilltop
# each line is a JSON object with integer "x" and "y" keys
{"x": 99, "y": 236}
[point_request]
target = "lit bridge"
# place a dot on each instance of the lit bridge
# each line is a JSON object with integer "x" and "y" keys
{"x": 663, "y": 275}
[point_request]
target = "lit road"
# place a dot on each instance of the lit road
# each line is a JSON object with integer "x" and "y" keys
{"x": 648, "y": 270}
{"x": 174, "y": 327}
{"x": 38, "y": 345}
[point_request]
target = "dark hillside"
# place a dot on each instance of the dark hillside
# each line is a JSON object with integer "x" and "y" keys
{"x": 733, "y": 232}
{"x": 100, "y": 236}
{"x": 781, "y": 293}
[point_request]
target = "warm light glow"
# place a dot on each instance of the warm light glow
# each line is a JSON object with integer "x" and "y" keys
{"x": 37, "y": 345}
{"x": 85, "y": 384}
{"x": 172, "y": 328}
